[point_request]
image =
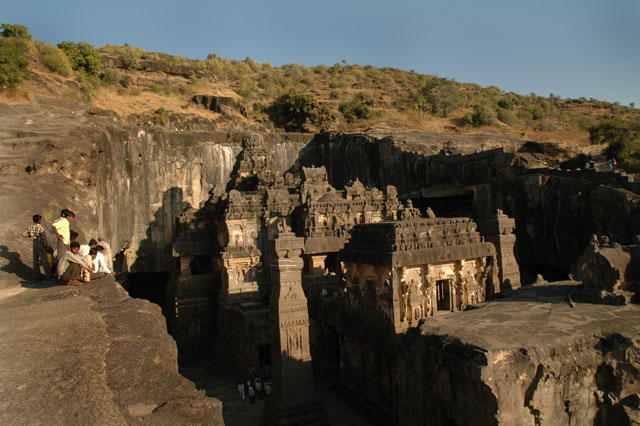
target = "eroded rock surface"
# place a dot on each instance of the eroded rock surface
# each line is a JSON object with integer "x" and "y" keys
{"x": 91, "y": 355}
{"x": 527, "y": 359}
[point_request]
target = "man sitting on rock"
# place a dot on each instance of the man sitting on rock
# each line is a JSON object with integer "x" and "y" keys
{"x": 99, "y": 263}
{"x": 72, "y": 268}
{"x": 94, "y": 274}
{"x": 84, "y": 248}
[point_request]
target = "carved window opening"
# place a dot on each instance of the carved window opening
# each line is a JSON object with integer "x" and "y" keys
{"x": 443, "y": 294}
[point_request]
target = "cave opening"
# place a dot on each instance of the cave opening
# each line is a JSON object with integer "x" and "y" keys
{"x": 459, "y": 205}
{"x": 529, "y": 272}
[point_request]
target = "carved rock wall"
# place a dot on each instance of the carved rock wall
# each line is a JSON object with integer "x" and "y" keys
{"x": 555, "y": 210}
{"x": 145, "y": 180}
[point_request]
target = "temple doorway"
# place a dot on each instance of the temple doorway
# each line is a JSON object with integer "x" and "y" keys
{"x": 264, "y": 353}
{"x": 443, "y": 295}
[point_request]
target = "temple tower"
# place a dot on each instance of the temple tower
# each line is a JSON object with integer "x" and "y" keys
{"x": 293, "y": 399}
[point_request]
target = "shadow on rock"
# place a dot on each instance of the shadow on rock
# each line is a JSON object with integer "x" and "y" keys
{"x": 16, "y": 265}
{"x": 541, "y": 293}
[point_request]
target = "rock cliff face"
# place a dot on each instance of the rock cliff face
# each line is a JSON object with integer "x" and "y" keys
{"x": 145, "y": 180}
{"x": 130, "y": 184}
{"x": 91, "y": 355}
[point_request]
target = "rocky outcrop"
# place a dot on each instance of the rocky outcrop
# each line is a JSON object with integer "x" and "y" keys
{"x": 221, "y": 104}
{"x": 610, "y": 273}
{"x": 527, "y": 359}
{"x": 92, "y": 355}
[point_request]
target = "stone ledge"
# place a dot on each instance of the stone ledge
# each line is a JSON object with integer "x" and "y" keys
{"x": 92, "y": 355}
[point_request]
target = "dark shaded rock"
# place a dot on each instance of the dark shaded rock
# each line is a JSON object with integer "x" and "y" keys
{"x": 220, "y": 104}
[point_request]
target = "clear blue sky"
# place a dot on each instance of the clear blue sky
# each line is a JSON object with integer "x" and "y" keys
{"x": 571, "y": 48}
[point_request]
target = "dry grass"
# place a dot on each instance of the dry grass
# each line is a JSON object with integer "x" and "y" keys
{"x": 393, "y": 92}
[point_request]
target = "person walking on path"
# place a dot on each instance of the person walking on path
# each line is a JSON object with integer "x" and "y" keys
{"x": 252, "y": 395}
{"x": 40, "y": 246}
{"x": 259, "y": 389}
{"x": 241, "y": 390}
{"x": 61, "y": 228}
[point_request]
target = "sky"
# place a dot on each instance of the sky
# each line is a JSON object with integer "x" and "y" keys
{"x": 571, "y": 48}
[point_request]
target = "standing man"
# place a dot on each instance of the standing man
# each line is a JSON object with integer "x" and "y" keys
{"x": 61, "y": 228}
{"x": 40, "y": 246}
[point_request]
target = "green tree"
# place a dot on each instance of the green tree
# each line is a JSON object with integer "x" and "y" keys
{"x": 15, "y": 30}
{"x": 622, "y": 138}
{"x": 292, "y": 110}
{"x": 443, "y": 95}
{"x": 13, "y": 67}
{"x": 82, "y": 56}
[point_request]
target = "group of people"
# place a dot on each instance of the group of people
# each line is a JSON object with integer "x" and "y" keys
{"x": 259, "y": 386}
{"x": 256, "y": 388}
{"x": 73, "y": 263}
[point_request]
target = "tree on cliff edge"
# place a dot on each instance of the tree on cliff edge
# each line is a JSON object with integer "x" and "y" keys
{"x": 13, "y": 67}
{"x": 292, "y": 110}
{"x": 622, "y": 138}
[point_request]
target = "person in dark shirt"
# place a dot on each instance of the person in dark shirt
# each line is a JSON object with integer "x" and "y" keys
{"x": 40, "y": 246}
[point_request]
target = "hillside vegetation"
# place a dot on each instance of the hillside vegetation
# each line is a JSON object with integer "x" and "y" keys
{"x": 156, "y": 89}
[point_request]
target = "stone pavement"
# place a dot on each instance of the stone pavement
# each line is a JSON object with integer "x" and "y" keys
{"x": 538, "y": 315}
{"x": 217, "y": 381}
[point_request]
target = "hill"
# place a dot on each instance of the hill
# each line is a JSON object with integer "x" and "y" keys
{"x": 155, "y": 89}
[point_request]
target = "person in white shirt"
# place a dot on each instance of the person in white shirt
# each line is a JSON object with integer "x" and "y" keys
{"x": 84, "y": 248}
{"x": 99, "y": 264}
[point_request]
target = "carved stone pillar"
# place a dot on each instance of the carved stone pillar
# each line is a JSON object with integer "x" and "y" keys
{"x": 499, "y": 229}
{"x": 293, "y": 399}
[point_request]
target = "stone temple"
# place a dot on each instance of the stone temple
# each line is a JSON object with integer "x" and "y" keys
{"x": 288, "y": 271}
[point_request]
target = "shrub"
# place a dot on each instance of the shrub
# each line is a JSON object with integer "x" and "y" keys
{"x": 506, "y": 116}
{"x": 88, "y": 83}
{"x": 82, "y": 56}
{"x": 505, "y": 104}
{"x": 54, "y": 59}
{"x": 292, "y": 110}
{"x": 13, "y": 67}
{"x": 130, "y": 57}
{"x": 338, "y": 83}
{"x": 355, "y": 110}
{"x": 110, "y": 76}
{"x": 246, "y": 87}
{"x": 125, "y": 81}
{"x": 545, "y": 126}
{"x": 160, "y": 117}
{"x": 15, "y": 30}
{"x": 484, "y": 115}
{"x": 359, "y": 108}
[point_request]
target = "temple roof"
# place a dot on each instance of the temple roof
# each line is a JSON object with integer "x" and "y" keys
{"x": 416, "y": 241}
